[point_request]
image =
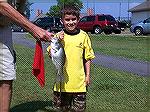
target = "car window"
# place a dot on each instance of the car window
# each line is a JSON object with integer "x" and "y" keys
{"x": 44, "y": 20}
{"x": 57, "y": 20}
{"x": 147, "y": 20}
{"x": 110, "y": 18}
{"x": 49, "y": 20}
{"x": 91, "y": 18}
{"x": 38, "y": 20}
{"x": 84, "y": 19}
{"x": 101, "y": 18}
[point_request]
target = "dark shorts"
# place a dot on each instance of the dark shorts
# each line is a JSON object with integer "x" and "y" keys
{"x": 74, "y": 102}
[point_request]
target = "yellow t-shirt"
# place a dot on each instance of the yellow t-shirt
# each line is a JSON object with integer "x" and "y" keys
{"x": 77, "y": 47}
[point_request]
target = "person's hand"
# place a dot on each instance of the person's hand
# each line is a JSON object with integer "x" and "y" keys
{"x": 41, "y": 34}
{"x": 60, "y": 35}
{"x": 87, "y": 81}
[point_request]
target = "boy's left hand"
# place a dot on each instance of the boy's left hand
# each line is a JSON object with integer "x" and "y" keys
{"x": 87, "y": 81}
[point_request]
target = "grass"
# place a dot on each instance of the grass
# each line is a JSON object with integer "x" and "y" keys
{"x": 28, "y": 96}
{"x": 132, "y": 47}
{"x": 110, "y": 91}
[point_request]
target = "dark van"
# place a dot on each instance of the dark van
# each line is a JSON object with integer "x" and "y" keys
{"x": 49, "y": 23}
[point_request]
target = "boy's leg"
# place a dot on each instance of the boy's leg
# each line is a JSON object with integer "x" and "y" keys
{"x": 56, "y": 103}
{"x": 62, "y": 104}
{"x": 5, "y": 95}
{"x": 79, "y": 102}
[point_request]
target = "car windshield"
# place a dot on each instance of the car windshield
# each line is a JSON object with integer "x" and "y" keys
{"x": 147, "y": 20}
{"x": 110, "y": 18}
{"x": 43, "y": 20}
{"x": 84, "y": 19}
{"x": 57, "y": 20}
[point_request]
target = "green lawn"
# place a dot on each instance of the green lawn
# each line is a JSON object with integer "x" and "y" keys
{"x": 132, "y": 47}
{"x": 110, "y": 91}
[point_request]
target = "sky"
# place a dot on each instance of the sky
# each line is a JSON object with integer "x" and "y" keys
{"x": 117, "y": 8}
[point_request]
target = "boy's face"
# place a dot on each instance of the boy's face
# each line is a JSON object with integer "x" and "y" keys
{"x": 70, "y": 22}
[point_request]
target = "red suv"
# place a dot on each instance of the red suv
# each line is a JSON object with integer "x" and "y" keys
{"x": 98, "y": 24}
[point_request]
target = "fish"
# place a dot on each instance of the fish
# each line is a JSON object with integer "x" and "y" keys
{"x": 58, "y": 58}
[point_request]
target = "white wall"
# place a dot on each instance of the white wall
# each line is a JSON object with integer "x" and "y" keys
{"x": 139, "y": 16}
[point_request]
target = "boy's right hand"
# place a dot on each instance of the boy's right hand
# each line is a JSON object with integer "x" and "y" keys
{"x": 60, "y": 35}
{"x": 49, "y": 51}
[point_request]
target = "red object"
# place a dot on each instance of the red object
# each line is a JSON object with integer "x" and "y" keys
{"x": 97, "y": 23}
{"x": 38, "y": 64}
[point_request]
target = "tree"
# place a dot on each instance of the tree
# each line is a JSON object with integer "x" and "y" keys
{"x": 27, "y": 9}
{"x": 76, "y": 3}
{"x": 56, "y": 9}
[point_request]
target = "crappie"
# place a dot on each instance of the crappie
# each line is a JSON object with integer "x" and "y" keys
{"x": 58, "y": 58}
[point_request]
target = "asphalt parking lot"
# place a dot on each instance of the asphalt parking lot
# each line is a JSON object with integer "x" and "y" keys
{"x": 127, "y": 32}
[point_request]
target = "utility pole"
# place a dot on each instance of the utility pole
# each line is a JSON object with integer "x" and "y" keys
{"x": 94, "y": 6}
{"x": 87, "y": 6}
{"x": 128, "y": 9}
{"x": 119, "y": 11}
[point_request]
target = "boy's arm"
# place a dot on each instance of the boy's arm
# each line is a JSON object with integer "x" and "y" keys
{"x": 87, "y": 65}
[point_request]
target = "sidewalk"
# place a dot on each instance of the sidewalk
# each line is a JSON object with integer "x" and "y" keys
{"x": 123, "y": 64}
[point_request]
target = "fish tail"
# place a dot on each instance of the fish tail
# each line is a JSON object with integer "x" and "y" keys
{"x": 60, "y": 76}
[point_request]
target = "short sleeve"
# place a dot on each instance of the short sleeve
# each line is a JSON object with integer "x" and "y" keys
{"x": 88, "y": 51}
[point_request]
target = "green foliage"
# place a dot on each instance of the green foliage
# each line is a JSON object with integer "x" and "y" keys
{"x": 27, "y": 9}
{"x": 76, "y": 3}
{"x": 56, "y": 9}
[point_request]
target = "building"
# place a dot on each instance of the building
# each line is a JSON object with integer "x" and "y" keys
{"x": 140, "y": 12}
{"x": 39, "y": 14}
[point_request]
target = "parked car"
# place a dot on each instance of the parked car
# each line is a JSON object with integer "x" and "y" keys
{"x": 122, "y": 25}
{"x": 98, "y": 24}
{"x": 49, "y": 23}
{"x": 17, "y": 28}
{"x": 141, "y": 28}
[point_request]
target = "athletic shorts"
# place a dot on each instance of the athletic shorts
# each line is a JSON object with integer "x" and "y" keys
{"x": 74, "y": 102}
{"x": 7, "y": 55}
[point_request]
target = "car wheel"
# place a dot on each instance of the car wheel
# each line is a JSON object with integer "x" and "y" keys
{"x": 107, "y": 32}
{"x": 97, "y": 30}
{"x": 117, "y": 31}
{"x": 138, "y": 31}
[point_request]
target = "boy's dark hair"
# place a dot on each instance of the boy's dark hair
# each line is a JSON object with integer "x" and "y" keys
{"x": 70, "y": 10}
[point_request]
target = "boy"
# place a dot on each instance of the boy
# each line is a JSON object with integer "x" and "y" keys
{"x": 78, "y": 51}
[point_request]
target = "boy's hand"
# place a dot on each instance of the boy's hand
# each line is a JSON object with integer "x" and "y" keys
{"x": 87, "y": 81}
{"x": 60, "y": 35}
{"x": 49, "y": 51}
